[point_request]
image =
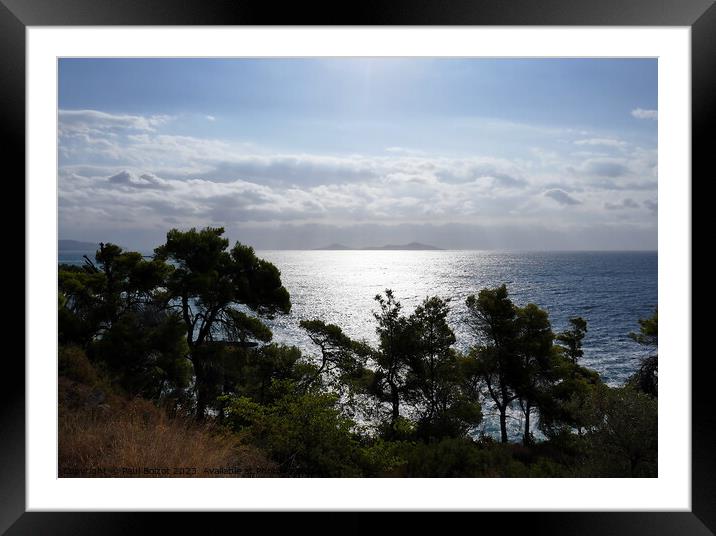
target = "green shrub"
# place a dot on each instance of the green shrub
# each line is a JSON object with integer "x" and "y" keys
{"x": 304, "y": 433}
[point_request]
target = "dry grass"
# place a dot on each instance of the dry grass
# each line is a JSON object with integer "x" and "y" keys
{"x": 104, "y": 435}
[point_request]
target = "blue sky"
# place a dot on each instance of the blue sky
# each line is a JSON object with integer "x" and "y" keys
{"x": 291, "y": 152}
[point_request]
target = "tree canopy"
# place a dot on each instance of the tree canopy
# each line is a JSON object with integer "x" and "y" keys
{"x": 207, "y": 284}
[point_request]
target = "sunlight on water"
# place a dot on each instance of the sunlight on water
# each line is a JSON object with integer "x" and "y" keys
{"x": 610, "y": 290}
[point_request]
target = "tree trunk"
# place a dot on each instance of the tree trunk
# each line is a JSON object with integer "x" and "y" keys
{"x": 503, "y": 424}
{"x": 396, "y": 407}
{"x": 503, "y": 408}
{"x": 200, "y": 405}
{"x": 526, "y": 438}
{"x": 200, "y": 388}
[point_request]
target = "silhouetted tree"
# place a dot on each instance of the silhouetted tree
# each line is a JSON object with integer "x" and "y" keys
{"x": 207, "y": 284}
{"x": 566, "y": 406}
{"x": 391, "y": 359}
{"x": 435, "y": 383}
{"x": 113, "y": 307}
{"x": 145, "y": 353}
{"x": 93, "y": 297}
{"x": 492, "y": 317}
{"x": 539, "y": 369}
{"x": 571, "y": 339}
{"x": 341, "y": 357}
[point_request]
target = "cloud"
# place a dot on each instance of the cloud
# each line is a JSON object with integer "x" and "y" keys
{"x": 210, "y": 118}
{"x": 403, "y": 150}
{"x": 86, "y": 121}
{"x": 491, "y": 172}
{"x": 561, "y": 197}
{"x": 127, "y": 171}
{"x": 508, "y": 181}
{"x": 627, "y": 203}
{"x": 624, "y": 185}
{"x": 145, "y": 180}
{"x": 653, "y": 206}
{"x": 640, "y": 113}
{"x": 607, "y": 142}
{"x": 605, "y": 167}
{"x": 304, "y": 169}
{"x": 635, "y": 169}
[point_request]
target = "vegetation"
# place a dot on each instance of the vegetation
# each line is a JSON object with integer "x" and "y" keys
{"x": 105, "y": 434}
{"x": 645, "y": 379}
{"x": 166, "y": 363}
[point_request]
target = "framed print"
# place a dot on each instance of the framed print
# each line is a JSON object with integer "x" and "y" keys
{"x": 403, "y": 260}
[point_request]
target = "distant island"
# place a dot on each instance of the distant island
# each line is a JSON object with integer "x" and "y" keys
{"x": 76, "y": 245}
{"x": 413, "y": 246}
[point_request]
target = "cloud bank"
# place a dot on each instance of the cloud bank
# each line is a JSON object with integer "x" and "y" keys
{"x": 133, "y": 177}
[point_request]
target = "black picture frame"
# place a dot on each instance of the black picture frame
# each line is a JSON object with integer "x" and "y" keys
{"x": 700, "y": 15}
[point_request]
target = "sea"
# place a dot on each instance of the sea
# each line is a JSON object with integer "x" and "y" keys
{"x": 611, "y": 290}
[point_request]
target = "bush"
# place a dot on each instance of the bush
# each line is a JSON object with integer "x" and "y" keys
{"x": 452, "y": 457}
{"x": 625, "y": 442}
{"x": 145, "y": 354}
{"x": 304, "y": 433}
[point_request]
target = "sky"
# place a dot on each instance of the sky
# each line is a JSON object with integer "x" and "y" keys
{"x": 459, "y": 153}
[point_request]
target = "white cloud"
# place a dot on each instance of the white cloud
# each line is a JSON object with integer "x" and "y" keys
{"x": 126, "y": 171}
{"x": 561, "y": 197}
{"x": 627, "y": 203}
{"x": 85, "y": 121}
{"x": 652, "y": 205}
{"x": 145, "y": 180}
{"x": 403, "y": 150}
{"x": 607, "y": 142}
{"x": 605, "y": 167}
{"x": 640, "y": 113}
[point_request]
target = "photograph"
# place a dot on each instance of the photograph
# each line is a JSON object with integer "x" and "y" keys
{"x": 408, "y": 257}
{"x": 357, "y": 267}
